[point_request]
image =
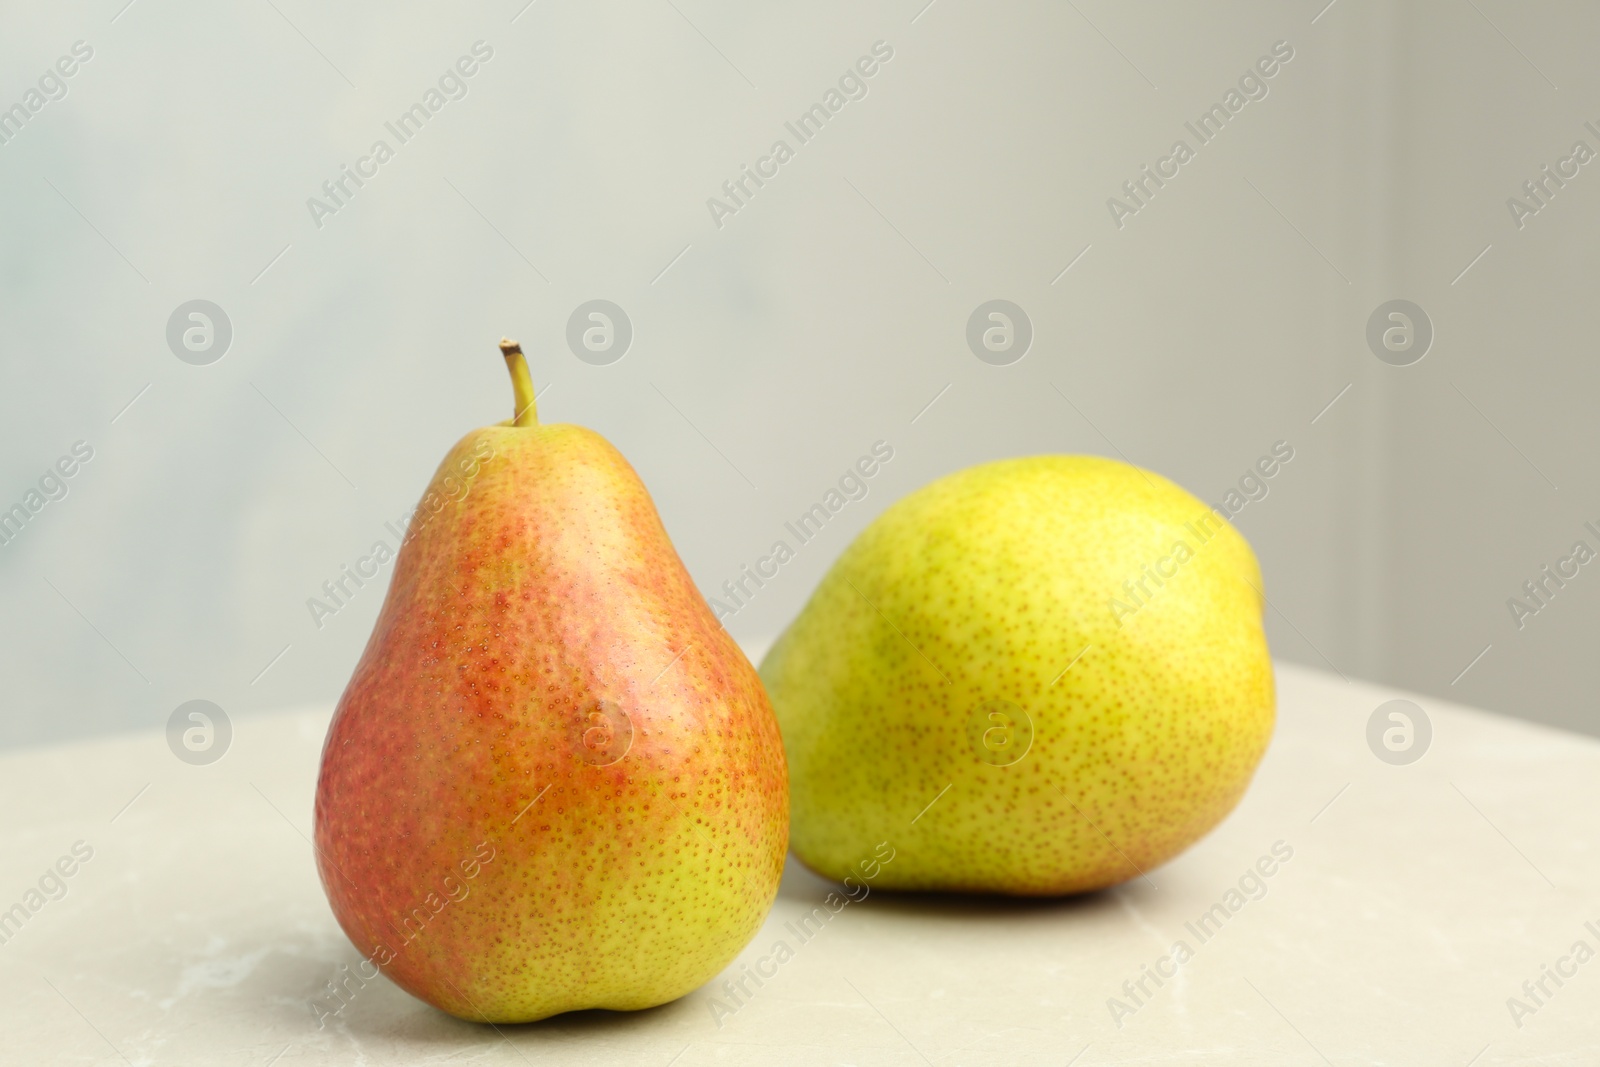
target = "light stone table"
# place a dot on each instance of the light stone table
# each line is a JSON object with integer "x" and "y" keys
{"x": 1416, "y": 903}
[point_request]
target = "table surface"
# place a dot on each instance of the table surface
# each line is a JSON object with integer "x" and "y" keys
{"x": 1417, "y": 902}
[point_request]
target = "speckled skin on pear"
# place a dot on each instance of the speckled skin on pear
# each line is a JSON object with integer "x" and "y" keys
{"x": 984, "y": 586}
{"x": 549, "y": 585}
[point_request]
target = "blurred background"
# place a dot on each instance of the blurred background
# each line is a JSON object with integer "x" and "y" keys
{"x": 757, "y": 341}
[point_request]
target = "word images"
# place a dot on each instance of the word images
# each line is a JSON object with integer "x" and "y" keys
{"x": 1252, "y": 886}
{"x": 52, "y": 486}
{"x": 1141, "y": 189}
{"x": 411, "y": 925}
{"x": 52, "y": 886}
{"x": 852, "y": 486}
{"x": 452, "y": 85}
{"x": 52, "y": 87}
{"x": 852, "y": 86}
{"x": 766, "y": 967}
{"x": 366, "y": 567}
{"x": 1252, "y": 486}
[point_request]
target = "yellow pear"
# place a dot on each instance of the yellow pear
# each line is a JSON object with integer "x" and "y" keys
{"x": 1037, "y": 676}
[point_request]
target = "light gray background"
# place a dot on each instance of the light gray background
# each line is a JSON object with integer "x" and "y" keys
{"x": 825, "y": 316}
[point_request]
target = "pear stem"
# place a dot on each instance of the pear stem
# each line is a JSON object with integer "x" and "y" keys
{"x": 527, "y": 414}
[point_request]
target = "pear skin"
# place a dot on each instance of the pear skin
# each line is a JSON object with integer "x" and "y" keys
{"x": 554, "y": 782}
{"x": 1018, "y": 679}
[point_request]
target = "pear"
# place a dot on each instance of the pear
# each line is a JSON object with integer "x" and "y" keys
{"x": 1038, "y": 676}
{"x": 554, "y": 781}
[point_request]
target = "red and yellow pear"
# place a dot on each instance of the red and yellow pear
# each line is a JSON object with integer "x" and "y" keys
{"x": 554, "y": 782}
